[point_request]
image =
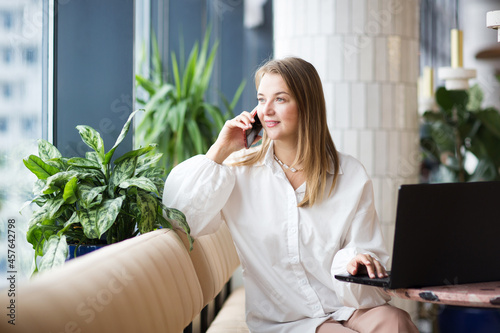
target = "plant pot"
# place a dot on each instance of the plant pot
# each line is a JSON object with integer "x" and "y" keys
{"x": 458, "y": 319}
{"x": 81, "y": 250}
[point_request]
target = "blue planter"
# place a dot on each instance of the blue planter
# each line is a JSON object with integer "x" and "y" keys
{"x": 457, "y": 319}
{"x": 81, "y": 250}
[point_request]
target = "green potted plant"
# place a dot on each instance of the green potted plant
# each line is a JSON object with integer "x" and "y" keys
{"x": 178, "y": 117}
{"x": 461, "y": 130}
{"x": 94, "y": 199}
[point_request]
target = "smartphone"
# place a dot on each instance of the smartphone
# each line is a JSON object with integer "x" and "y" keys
{"x": 251, "y": 133}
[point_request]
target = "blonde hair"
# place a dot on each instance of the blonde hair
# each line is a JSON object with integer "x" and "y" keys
{"x": 316, "y": 149}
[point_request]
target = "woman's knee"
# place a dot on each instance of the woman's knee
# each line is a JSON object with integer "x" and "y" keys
{"x": 384, "y": 318}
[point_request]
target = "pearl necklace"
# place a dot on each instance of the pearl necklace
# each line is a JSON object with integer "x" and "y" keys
{"x": 284, "y": 165}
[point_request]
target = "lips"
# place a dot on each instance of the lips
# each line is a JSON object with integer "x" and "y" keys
{"x": 271, "y": 123}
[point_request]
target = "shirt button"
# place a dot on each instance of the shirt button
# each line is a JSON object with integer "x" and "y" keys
{"x": 293, "y": 230}
{"x": 302, "y": 282}
{"x": 295, "y": 260}
{"x": 316, "y": 307}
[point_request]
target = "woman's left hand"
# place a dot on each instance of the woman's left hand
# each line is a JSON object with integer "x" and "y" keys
{"x": 365, "y": 263}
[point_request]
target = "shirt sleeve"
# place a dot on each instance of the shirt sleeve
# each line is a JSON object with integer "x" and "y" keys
{"x": 363, "y": 237}
{"x": 199, "y": 187}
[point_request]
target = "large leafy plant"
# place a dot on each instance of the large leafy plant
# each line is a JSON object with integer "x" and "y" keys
{"x": 460, "y": 131}
{"x": 178, "y": 117}
{"x": 90, "y": 200}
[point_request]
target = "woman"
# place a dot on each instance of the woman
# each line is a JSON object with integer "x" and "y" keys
{"x": 298, "y": 211}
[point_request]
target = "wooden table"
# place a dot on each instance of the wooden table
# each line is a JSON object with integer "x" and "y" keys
{"x": 486, "y": 294}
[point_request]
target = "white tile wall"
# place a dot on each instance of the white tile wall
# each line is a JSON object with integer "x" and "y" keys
{"x": 335, "y": 58}
{"x": 387, "y": 99}
{"x": 367, "y": 150}
{"x": 358, "y": 16}
{"x": 367, "y": 60}
{"x": 327, "y": 17}
{"x": 393, "y": 154}
{"x": 358, "y": 105}
{"x": 351, "y": 58}
{"x": 312, "y": 14}
{"x": 351, "y": 142}
{"x": 381, "y": 151}
{"x": 394, "y": 58}
{"x": 342, "y": 105}
{"x": 373, "y": 105}
{"x": 381, "y": 59}
{"x": 342, "y": 24}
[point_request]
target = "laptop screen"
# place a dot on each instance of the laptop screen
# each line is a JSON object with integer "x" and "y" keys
{"x": 446, "y": 234}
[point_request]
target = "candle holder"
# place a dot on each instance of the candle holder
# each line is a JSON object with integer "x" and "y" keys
{"x": 456, "y": 77}
{"x": 493, "y": 21}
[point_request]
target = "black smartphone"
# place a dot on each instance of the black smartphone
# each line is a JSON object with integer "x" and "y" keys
{"x": 251, "y": 133}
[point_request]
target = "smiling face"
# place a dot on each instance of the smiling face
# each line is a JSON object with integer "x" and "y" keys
{"x": 277, "y": 109}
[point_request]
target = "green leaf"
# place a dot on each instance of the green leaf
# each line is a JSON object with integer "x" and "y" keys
{"x": 47, "y": 151}
{"x": 38, "y": 186}
{"x": 122, "y": 171}
{"x": 35, "y": 237}
{"x": 146, "y": 84}
{"x": 93, "y": 156}
{"x": 59, "y": 180}
{"x": 491, "y": 119}
{"x": 90, "y": 195}
{"x": 158, "y": 96}
{"x": 136, "y": 153}
{"x": 148, "y": 206}
{"x": 84, "y": 163}
{"x": 72, "y": 220}
{"x": 176, "y": 217}
{"x": 93, "y": 175}
{"x": 47, "y": 211}
{"x": 92, "y": 138}
{"x": 59, "y": 163}
{"x": 146, "y": 162}
{"x": 140, "y": 182}
{"x": 152, "y": 172}
{"x": 107, "y": 214}
{"x": 41, "y": 169}
{"x": 177, "y": 80}
{"x": 475, "y": 98}
{"x": 195, "y": 135}
{"x": 70, "y": 191}
{"x": 55, "y": 251}
{"x": 88, "y": 220}
{"x": 120, "y": 138}
{"x": 97, "y": 221}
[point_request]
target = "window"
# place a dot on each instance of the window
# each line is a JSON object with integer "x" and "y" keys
{"x": 4, "y": 124}
{"x": 7, "y": 17}
{"x": 7, "y": 55}
{"x": 28, "y": 125}
{"x": 7, "y": 90}
{"x": 20, "y": 118}
{"x": 29, "y": 56}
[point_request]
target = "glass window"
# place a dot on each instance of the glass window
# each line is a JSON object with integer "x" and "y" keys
{"x": 29, "y": 55}
{"x": 20, "y": 120}
{"x": 8, "y": 20}
{"x": 7, "y": 55}
{"x": 4, "y": 122}
{"x": 7, "y": 90}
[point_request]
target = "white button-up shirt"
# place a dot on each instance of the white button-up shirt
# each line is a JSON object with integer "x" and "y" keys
{"x": 289, "y": 254}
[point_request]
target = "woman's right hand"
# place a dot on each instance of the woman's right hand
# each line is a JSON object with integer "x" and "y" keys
{"x": 232, "y": 136}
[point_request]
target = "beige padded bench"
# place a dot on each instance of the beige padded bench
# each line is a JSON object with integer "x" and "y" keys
{"x": 149, "y": 283}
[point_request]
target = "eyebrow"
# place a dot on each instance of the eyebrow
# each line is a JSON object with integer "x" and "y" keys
{"x": 278, "y": 93}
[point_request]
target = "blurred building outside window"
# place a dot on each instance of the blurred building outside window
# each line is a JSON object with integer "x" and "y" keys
{"x": 23, "y": 32}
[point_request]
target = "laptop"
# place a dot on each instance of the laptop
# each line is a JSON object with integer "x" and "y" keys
{"x": 446, "y": 234}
